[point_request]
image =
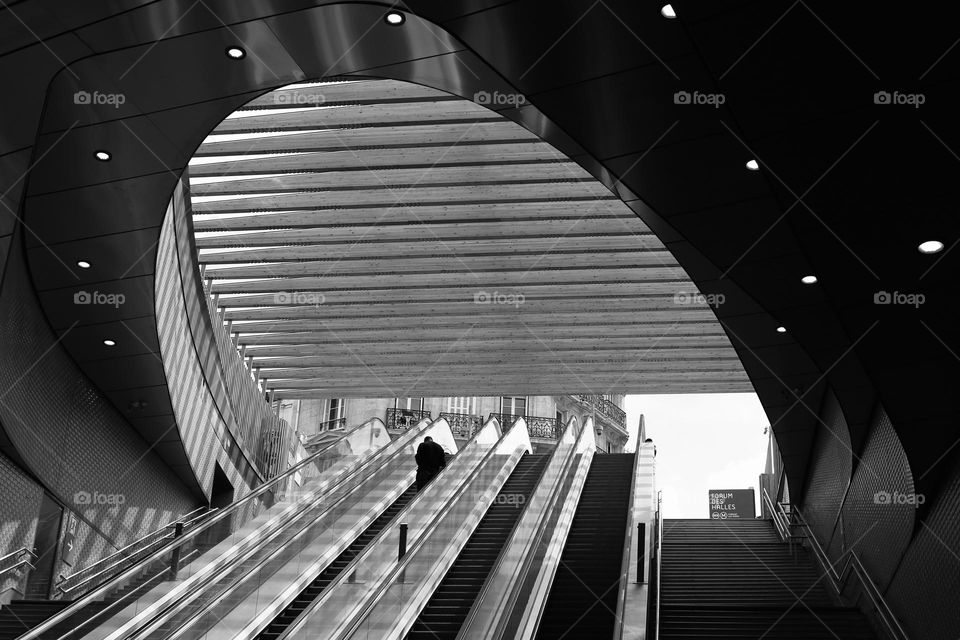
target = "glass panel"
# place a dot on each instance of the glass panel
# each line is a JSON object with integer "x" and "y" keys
{"x": 438, "y": 537}
{"x": 206, "y": 549}
{"x": 517, "y": 571}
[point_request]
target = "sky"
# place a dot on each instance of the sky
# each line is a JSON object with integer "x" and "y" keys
{"x": 704, "y": 441}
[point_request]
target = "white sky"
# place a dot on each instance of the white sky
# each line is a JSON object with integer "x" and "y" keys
{"x": 704, "y": 441}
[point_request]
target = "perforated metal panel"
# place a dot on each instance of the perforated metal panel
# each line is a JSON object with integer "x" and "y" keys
{"x": 830, "y": 469}
{"x": 924, "y": 591}
{"x": 878, "y": 513}
{"x": 71, "y": 437}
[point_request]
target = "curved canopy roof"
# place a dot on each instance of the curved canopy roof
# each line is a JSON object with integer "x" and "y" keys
{"x": 351, "y": 229}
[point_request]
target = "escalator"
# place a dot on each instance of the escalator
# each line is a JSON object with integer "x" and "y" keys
{"x": 308, "y": 595}
{"x": 583, "y": 597}
{"x": 450, "y": 603}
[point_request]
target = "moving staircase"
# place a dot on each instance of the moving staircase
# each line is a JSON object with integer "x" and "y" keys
{"x": 583, "y": 598}
{"x": 451, "y": 601}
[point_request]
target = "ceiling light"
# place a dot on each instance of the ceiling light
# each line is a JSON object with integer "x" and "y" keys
{"x": 102, "y": 156}
{"x": 931, "y": 246}
{"x": 781, "y": 329}
{"x": 236, "y": 53}
{"x": 395, "y": 18}
{"x": 83, "y": 264}
{"x": 109, "y": 342}
{"x": 809, "y": 279}
{"x": 667, "y": 11}
{"x": 753, "y": 165}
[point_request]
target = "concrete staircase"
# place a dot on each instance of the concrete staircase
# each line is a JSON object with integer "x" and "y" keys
{"x": 735, "y": 579}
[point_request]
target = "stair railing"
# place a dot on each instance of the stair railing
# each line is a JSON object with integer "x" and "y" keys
{"x": 103, "y": 569}
{"x": 14, "y": 562}
{"x": 788, "y": 517}
{"x": 653, "y": 593}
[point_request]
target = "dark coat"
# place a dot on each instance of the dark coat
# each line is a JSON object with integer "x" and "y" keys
{"x": 431, "y": 457}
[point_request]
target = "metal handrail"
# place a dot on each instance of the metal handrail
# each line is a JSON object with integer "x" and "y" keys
{"x": 349, "y": 626}
{"x": 627, "y": 545}
{"x": 852, "y": 565}
{"x": 17, "y": 553}
{"x": 102, "y": 573}
{"x": 108, "y": 586}
{"x": 653, "y": 594}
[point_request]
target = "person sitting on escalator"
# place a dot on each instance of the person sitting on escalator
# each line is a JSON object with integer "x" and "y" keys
{"x": 430, "y": 460}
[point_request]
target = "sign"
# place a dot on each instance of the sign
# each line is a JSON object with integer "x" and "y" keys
{"x": 732, "y": 504}
{"x": 69, "y": 539}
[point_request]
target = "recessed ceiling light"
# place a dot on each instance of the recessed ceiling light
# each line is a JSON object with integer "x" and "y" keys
{"x": 753, "y": 165}
{"x": 83, "y": 264}
{"x": 236, "y": 53}
{"x": 109, "y": 342}
{"x": 395, "y": 18}
{"x": 931, "y": 246}
{"x": 667, "y": 11}
{"x": 102, "y": 156}
{"x": 809, "y": 279}
{"x": 781, "y": 329}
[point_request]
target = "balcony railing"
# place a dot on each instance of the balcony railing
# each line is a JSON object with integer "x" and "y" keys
{"x": 463, "y": 425}
{"x": 537, "y": 426}
{"x": 330, "y": 425}
{"x": 403, "y": 419}
{"x": 606, "y": 407}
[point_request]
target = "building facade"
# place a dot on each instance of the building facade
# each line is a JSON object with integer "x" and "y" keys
{"x": 545, "y": 415}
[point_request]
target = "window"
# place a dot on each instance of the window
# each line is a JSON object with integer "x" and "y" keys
{"x": 409, "y": 403}
{"x": 334, "y": 411}
{"x": 515, "y": 406}
{"x": 462, "y": 404}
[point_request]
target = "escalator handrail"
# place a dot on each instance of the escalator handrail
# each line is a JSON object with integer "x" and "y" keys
{"x": 355, "y": 617}
{"x": 625, "y": 564}
{"x": 251, "y": 572}
{"x": 119, "y": 579}
{"x": 158, "y": 612}
{"x": 585, "y": 432}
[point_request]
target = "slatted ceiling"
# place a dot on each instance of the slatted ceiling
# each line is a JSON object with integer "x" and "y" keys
{"x": 364, "y": 115}
{"x": 606, "y": 358}
{"x": 397, "y": 178}
{"x": 387, "y": 216}
{"x": 391, "y": 196}
{"x": 503, "y": 213}
{"x": 366, "y": 159}
{"x": 374, "y": 137}
{"x": 354, "y": 93}
{"x": 470, "y": 280}
{"x": 653, "y": 308}
{"x": 463, "y": 264}
{"x": 691, "y": 326}
{"x": 325, "y": 335}
{"x": 430, "y": 245}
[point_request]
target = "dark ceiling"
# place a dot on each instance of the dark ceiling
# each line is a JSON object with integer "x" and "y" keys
{"x": 848, "y": 185}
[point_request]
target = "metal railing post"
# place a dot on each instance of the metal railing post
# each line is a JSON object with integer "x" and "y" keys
{"x": 641, "y": 546}
{"x": 175, "y": 556}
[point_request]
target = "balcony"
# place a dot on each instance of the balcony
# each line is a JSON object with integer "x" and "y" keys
{"x": 537, "y": 426}
{"x": 605, "y": 407}
{"x": 403, "y": 419}
{"x": 463, "y": 425}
